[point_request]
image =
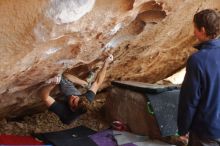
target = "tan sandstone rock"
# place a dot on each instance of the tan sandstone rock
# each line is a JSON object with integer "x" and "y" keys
{"x": 150, "y": 40}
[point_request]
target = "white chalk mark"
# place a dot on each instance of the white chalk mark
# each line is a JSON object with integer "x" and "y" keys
{"x": 116, "y": 41}
{"x": 66, "y": 11}
{"x": 116, "y": 29}
{"x": 51, "y": 51}
{"x": 40, "y": 32}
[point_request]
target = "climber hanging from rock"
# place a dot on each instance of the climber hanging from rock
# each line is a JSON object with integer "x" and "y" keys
{"x": 75, "y": 102}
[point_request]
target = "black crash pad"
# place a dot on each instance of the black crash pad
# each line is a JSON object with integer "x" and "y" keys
{"x": 144, "y": 87}
{"x": 77, "y": 136}
{"x": 165, "y": 107}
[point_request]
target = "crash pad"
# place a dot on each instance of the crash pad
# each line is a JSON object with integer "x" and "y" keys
{"x": 77, "y": 136}
{"x": 124, "y": 138}
{"x": 18, "y": 140}
{"x": 165, "y": 106}
{"x": 144, "y": 87}
{"x": 104, "y": 138}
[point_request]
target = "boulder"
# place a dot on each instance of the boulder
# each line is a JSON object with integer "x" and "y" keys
{"x": 150, "y": 40}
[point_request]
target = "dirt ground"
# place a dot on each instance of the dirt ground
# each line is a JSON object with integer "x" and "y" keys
{"x": 48, "y": 121}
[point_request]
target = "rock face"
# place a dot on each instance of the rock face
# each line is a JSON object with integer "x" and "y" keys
{"x": 128, "y": 107}
{"x": 150, "y": 39}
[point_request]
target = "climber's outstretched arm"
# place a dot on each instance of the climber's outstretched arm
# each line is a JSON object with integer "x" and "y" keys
{"x": 101, "y": 75}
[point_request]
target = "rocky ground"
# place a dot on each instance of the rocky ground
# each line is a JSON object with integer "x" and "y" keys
{"x": 48, "y": 121}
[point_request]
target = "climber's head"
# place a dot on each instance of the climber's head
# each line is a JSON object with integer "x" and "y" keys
{"x": 77, "y": 103}
{"x": 206, "y": 25}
